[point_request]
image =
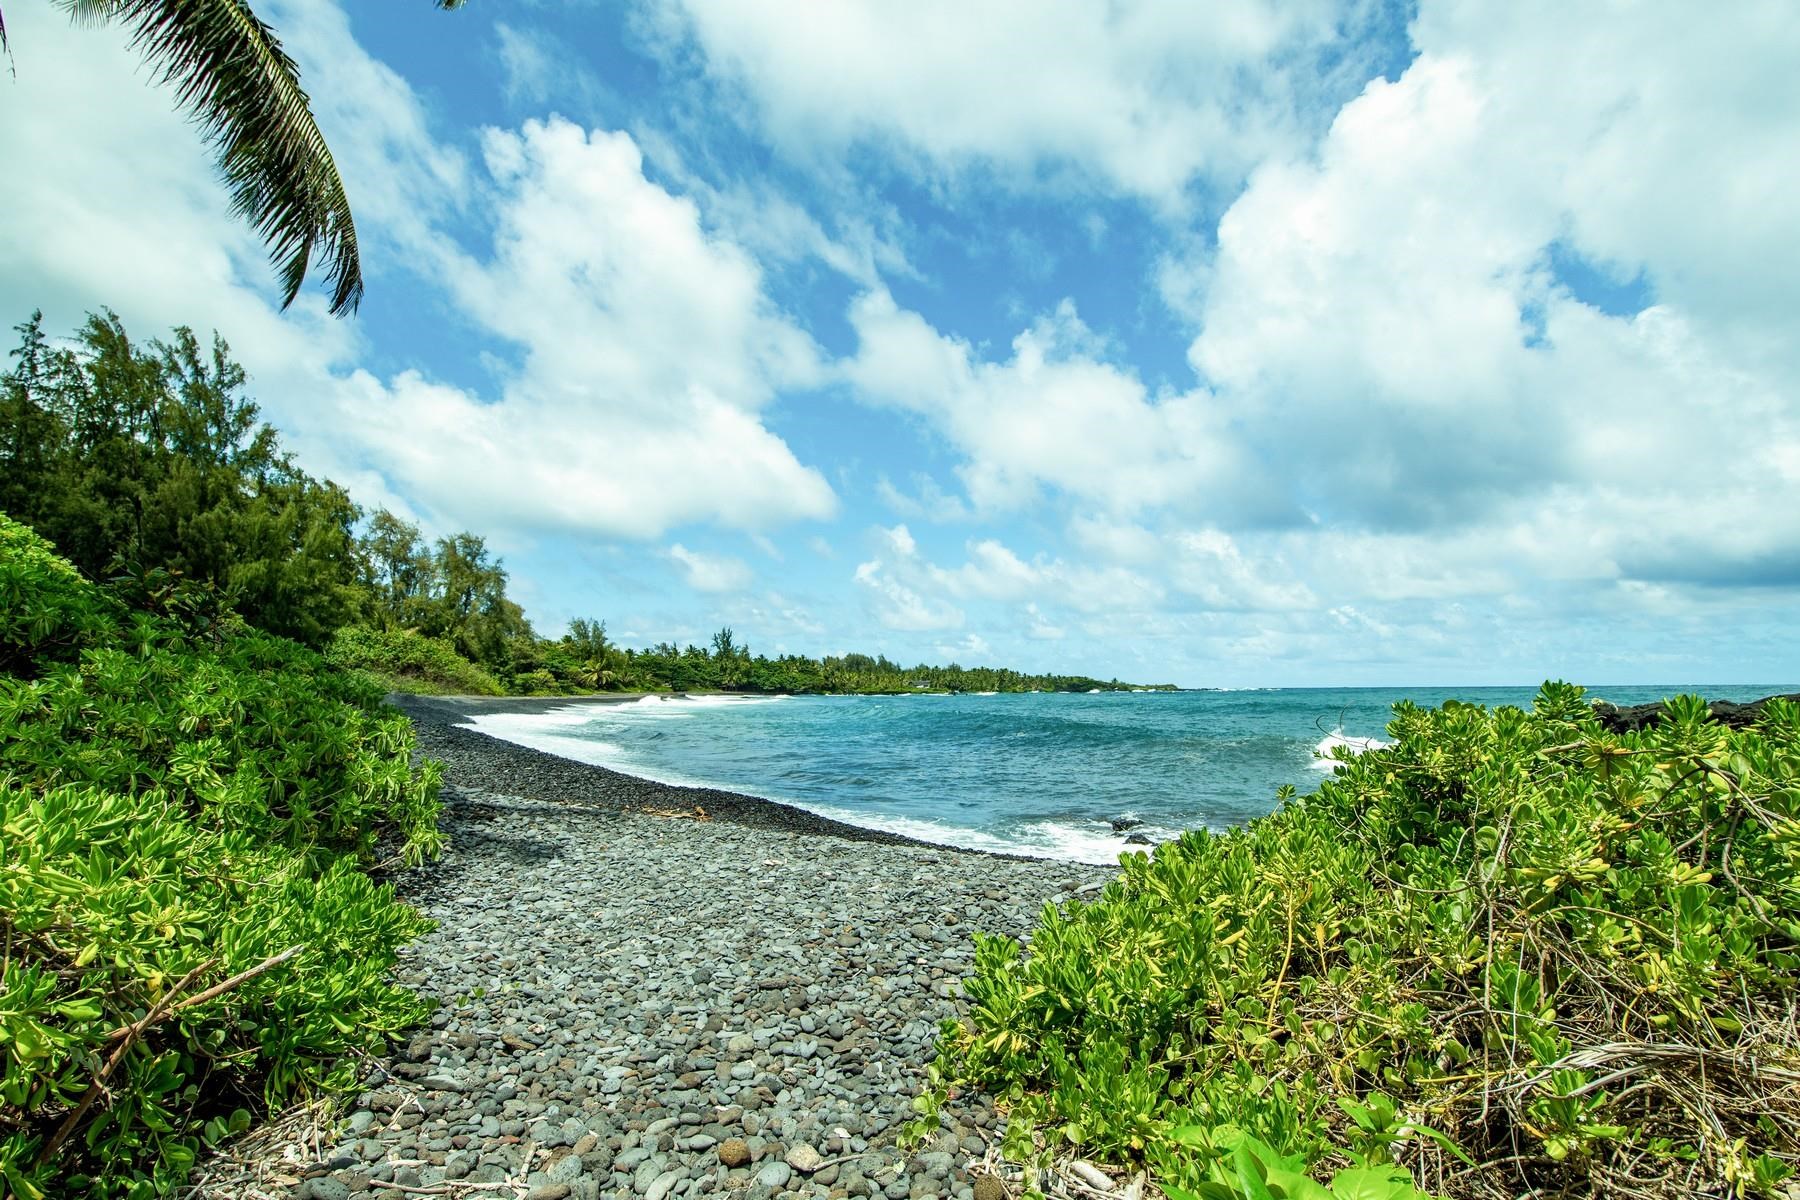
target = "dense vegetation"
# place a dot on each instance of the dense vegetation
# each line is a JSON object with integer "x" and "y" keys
{"x": 189, "y": 810}
{"x": 146, "y": 465}
{"x": 1510, "y": 954}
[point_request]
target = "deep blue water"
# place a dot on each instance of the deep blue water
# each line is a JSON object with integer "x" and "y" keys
{"x": 1035, "y": 773}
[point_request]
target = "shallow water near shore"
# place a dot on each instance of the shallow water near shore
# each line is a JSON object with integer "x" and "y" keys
{"x": 1036, "y": 773}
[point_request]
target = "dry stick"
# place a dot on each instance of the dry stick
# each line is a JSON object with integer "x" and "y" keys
{"x": 217, "y": 990}
{"x": 157, "y": 1012}
{"x": 127, "y": 1036}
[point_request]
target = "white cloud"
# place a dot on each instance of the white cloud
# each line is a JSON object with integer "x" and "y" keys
{"x": 897, "y": 606}
{"x": 614, "y": 289}
{"x": 790, "y": 617}
{"x": 1384, "y": 319}
{"x": 900, "y": 541}
{"x": 710, "y": 572}
{"x": 1142, "y": 97}
{"x": 1056, "y": 415}
{"x": 1208, "y": 565}
{"x": 756, "y": 214}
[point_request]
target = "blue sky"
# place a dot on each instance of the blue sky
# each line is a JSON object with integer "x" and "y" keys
{"x": 1241, "y": 344}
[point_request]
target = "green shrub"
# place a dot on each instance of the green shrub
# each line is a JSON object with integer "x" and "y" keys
{"x": 537, "y": 683}
{"x": 1509, "y": 939}
{"x": 47, "y": 613}
{"x": 404, "y": 660}
{"x": 178, "y": 810}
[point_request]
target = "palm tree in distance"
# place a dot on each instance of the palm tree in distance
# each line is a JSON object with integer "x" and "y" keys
{"x": 232, "y": 76}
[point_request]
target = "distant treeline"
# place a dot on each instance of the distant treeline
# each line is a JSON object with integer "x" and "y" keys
{"x": 148, "y": 468}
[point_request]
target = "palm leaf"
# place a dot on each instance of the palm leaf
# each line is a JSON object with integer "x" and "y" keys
{"x": 230, "y": 72}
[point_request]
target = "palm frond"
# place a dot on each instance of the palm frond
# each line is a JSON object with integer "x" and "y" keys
{"x": 230, "y": 72}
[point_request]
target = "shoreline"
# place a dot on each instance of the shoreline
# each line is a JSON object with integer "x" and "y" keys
{"x": 640, "y": 1002}
{"x": 485, "y": 761}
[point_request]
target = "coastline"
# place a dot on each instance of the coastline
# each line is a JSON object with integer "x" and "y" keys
{"x": 482, "y": 761}
{"x": 638, "y": 1001}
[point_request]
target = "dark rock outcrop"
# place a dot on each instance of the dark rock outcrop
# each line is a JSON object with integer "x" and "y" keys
{"x": 1633, "y": 717}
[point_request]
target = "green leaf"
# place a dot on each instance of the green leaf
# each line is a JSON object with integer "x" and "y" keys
{"x": 1374, "y": 1183}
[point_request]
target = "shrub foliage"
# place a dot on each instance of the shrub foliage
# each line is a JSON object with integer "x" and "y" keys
{"x": 1510, "y": 954}
{"x": 180, "y": 808}
{"x": 405, "y": 660}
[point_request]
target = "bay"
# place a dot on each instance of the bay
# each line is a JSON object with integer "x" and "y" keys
{"x": 1041, "y": 774}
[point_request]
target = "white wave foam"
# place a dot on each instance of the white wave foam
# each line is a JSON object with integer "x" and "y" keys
{"x": 1325, "y": 760}
{"x": 549, "y": 731}
{"x": 678, "y": 707}
{"x": 1038, "y": 839}
{"x": 682, "y": 700}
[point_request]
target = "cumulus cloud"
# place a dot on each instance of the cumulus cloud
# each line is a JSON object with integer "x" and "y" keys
{"x": 928, "y": 500}
{"x": 648, "y": 350}
{"x": 1388, "y": 319}
{"x": 1040, "y": 628}
{"x": 1056, "y": 415}
{"x": 1407, "y": 390}
{"x": 1142, "y": 97}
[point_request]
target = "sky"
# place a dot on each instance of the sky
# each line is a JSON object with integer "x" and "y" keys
{"x": 1252, "y": 343}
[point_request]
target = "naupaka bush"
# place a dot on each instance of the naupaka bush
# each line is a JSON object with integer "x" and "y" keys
{"x": 178, "y": 810}
{"x": 1510, "y": 952}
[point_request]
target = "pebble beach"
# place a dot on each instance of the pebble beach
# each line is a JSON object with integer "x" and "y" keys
{"x": 655, "y": 991}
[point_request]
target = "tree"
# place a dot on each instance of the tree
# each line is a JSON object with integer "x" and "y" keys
{"x": 229, "y": 71}
{"x": 470, "y": 606}
{"x": 588, "y": 638}
{"x": 398, "y": 570}
{"x": 147, "y": 463}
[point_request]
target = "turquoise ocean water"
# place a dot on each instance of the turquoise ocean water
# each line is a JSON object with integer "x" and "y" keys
{"x": 1038, "y": 774}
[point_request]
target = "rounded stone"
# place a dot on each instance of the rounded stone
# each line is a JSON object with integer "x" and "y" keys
{"x": 989, "y": 1187}
{"x": 734, "y": 1152}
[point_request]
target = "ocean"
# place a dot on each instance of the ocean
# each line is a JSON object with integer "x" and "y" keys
{"x": 1038, "y": 774}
